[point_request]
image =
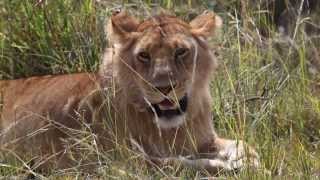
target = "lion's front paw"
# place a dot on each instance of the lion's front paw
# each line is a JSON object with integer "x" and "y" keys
{"x": 235, "y": 155}
{"x": 228, "y": 155}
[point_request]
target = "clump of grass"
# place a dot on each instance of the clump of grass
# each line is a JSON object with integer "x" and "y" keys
{"x": 49, "y": 37}
{"x": 265, "y": 91}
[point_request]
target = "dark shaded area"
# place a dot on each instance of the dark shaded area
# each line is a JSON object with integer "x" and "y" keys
{"x": 284, "y": 13}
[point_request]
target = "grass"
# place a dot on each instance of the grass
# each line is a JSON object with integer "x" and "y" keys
{"x": 265, "y": 91}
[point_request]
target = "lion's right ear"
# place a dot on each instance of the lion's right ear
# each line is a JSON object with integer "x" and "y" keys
{"x": 121, "y": 27}
{"x": 205, "y": 24}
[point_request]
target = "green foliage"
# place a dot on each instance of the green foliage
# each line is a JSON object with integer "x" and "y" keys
{"x": 53, "y": 37}
{"x": 265, "y": 90}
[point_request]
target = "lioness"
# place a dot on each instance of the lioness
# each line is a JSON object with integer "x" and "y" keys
{"x": 152, "y": 92}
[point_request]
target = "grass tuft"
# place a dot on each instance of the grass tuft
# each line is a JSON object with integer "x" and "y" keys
{"x": 266, "y": 89}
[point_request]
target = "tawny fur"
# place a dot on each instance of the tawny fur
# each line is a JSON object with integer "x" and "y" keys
{"x": 112, "y": 100}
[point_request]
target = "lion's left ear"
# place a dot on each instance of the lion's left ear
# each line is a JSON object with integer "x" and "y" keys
{"x": 205, "y": 24}
{"x": 121, "y": 27}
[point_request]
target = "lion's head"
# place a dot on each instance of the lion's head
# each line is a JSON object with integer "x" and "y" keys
{"x": 163, "y": 61}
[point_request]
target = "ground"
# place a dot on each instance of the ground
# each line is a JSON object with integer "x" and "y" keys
{"x": 265, "y": 91}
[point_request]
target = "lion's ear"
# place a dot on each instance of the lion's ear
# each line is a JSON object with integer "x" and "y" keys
{"x": 121, "y": 27}
{"x": 205, "y": 24}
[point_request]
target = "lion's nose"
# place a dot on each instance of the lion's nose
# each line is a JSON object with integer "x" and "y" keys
{"x": 165, "y": 90}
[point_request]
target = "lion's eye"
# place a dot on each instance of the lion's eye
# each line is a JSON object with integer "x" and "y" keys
{"x": 180, "y": 52}
{"x": 143, "y": 57}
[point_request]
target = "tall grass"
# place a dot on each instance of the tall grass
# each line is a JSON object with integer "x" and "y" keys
{"x": 49, "y": 37}
{"x": 265, "y": 91}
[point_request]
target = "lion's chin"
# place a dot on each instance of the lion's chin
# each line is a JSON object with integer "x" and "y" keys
{"x": 168, "y": 115}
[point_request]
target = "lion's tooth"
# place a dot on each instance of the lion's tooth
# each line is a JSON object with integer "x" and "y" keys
{"x": 167, "y": 107}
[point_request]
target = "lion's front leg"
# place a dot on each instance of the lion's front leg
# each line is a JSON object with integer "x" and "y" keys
{"x": 226, "y": 155}
{"x": 222, "y": 155}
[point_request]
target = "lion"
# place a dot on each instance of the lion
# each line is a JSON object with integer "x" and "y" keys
{"x": 151, "y": 92}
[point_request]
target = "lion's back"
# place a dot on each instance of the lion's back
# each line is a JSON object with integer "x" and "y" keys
{"x": 42, "y": 96}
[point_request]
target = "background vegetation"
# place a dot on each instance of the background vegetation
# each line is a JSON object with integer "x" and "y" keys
{"x": 266, "y": 90}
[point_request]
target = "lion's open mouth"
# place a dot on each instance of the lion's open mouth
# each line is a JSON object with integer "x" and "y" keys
{"x": 167, "y": 109}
